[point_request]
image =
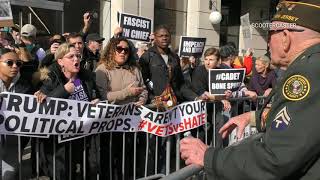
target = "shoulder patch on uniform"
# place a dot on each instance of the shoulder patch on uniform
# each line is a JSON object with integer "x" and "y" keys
{"x": 296, "y": 88}
{"x": 282, "y": 120}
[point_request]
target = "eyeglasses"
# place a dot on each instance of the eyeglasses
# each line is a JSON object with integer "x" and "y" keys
{"x": 10, "y": 63}
{"x": 119, "y": 49}
{"x": 271, "y": 32}
{"x": 72, "y": 56}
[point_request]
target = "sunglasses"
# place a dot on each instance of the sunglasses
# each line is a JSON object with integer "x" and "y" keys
{"x": 119, "y": 49}
{"x": 10, "y": 63}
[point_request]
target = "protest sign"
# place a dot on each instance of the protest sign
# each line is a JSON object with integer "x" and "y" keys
{"x": 221, "y": 80}
{"x": 135, "y": 27}
{"x": 191, "y": 46}
{"x": 6, "y": 19}
{"x": 21, "y": 114}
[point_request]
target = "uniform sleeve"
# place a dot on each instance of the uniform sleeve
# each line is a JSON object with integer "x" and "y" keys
{"x": 289, "y": 144}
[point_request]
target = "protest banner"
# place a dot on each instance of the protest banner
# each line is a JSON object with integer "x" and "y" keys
{"x": 191, "y": 46}
{"x": 135, "y": 27}
{"x": 21, "y": 114}
{"x": 221, "y": 80}
{"x": 6, "y": 19}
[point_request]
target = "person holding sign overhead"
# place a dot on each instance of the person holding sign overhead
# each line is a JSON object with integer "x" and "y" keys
{"x": 10, "y": 81}
{"x": 65, "y": 79}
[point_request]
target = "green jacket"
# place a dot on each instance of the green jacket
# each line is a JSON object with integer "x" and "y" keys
{"x": 290, "y": 143}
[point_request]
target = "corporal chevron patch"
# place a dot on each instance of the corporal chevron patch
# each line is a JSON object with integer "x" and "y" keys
{"x": 282, "y": 120}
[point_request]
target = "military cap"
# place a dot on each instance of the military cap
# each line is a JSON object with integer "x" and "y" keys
{"x": 301, "y": 12}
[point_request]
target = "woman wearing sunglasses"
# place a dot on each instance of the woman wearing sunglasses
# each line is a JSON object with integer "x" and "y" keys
{"x": 10, "y": 81}
{"x": 64, "y": 79}
{"x": 119, "y": 81}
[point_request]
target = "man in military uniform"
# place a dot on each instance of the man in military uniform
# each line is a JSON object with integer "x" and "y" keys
{"x": 289, "y": 147}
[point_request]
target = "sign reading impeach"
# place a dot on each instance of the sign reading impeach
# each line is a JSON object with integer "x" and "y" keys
{"x": 221, "y": 80}
{"x": 191, "y": 46}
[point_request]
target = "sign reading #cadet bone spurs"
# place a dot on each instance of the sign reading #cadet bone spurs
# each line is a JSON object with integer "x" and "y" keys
{"x": 221, "y": 80}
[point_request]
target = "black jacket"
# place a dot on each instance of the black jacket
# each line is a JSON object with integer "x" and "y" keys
{"x": 54, "y": 81}
{"x": 155, "y": 70}
{"x": 200, "y": 80}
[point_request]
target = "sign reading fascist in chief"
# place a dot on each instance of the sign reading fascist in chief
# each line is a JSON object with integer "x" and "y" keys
{"x": 221, "y": 80}
{"x": 191, "y": 46}
{"x": 135, "y": 27}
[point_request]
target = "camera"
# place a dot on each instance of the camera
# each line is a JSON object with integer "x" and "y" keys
{"x": 93, "y": 14}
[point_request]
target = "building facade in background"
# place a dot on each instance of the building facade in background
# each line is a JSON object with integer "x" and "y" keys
{"x": 184, "y": 17}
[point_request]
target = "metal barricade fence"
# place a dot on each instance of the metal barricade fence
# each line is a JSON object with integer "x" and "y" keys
{"x": 122, "y": 156}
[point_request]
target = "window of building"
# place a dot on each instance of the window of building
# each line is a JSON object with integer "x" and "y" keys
{"x": 174, "y": 15}
{"x": 230, "y": 10}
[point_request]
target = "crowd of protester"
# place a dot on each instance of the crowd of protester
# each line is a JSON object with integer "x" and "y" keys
{"x": 76, "y": 66}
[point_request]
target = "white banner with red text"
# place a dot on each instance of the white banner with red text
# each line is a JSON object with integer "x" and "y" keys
{"x": 21, "y": 114}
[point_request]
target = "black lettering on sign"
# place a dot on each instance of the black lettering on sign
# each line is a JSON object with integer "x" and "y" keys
{"x": 159, "y": 118}
{"x": 91, "y": 111}
{"x": 24, "y": 124}
{"x": 53, "y": 121}
{"x": 130, "y": 109}
{"x": 94, "y": 125}
{"x": 44, "y": 124}
{"x": 1, "y": 119}
{"x": 116, "y": 111}
{"x": 47, "y": 107}
{"x": 35, "y": 124}
{"x": 203, "y": 106}
{"x": 81, "y": 110}
{"x": 181, "y": 108}
{"x": 72, "y": 127}
{"x": 80, "y": 130}
{"x": 62, "y": 106}
{"x": 127, "y": 124}
{"x": 189, "y": 109}
{"x": 102, "y": 126}
{"x": 109, "y": 111}
{"x": 2, "y": 97}
{"x": 27, "y": 105}
{"x": 12, "y": 123}
{"x": 110, "y": 125}
{"x": 101, "y": 108}
{"x": 58, "y": 130}
{"x": 14, "y": 103}
{"x": 149, "y": 116}
{"x": 138, "y": 110}
{"x": 196, "y": 107}
{"x": 119, "y": 123}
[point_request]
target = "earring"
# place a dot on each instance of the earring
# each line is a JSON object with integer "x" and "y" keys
{"x": 63, "y": 69}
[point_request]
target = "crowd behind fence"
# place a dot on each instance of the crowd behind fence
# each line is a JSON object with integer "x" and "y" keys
{"x": 143, "y": 156}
